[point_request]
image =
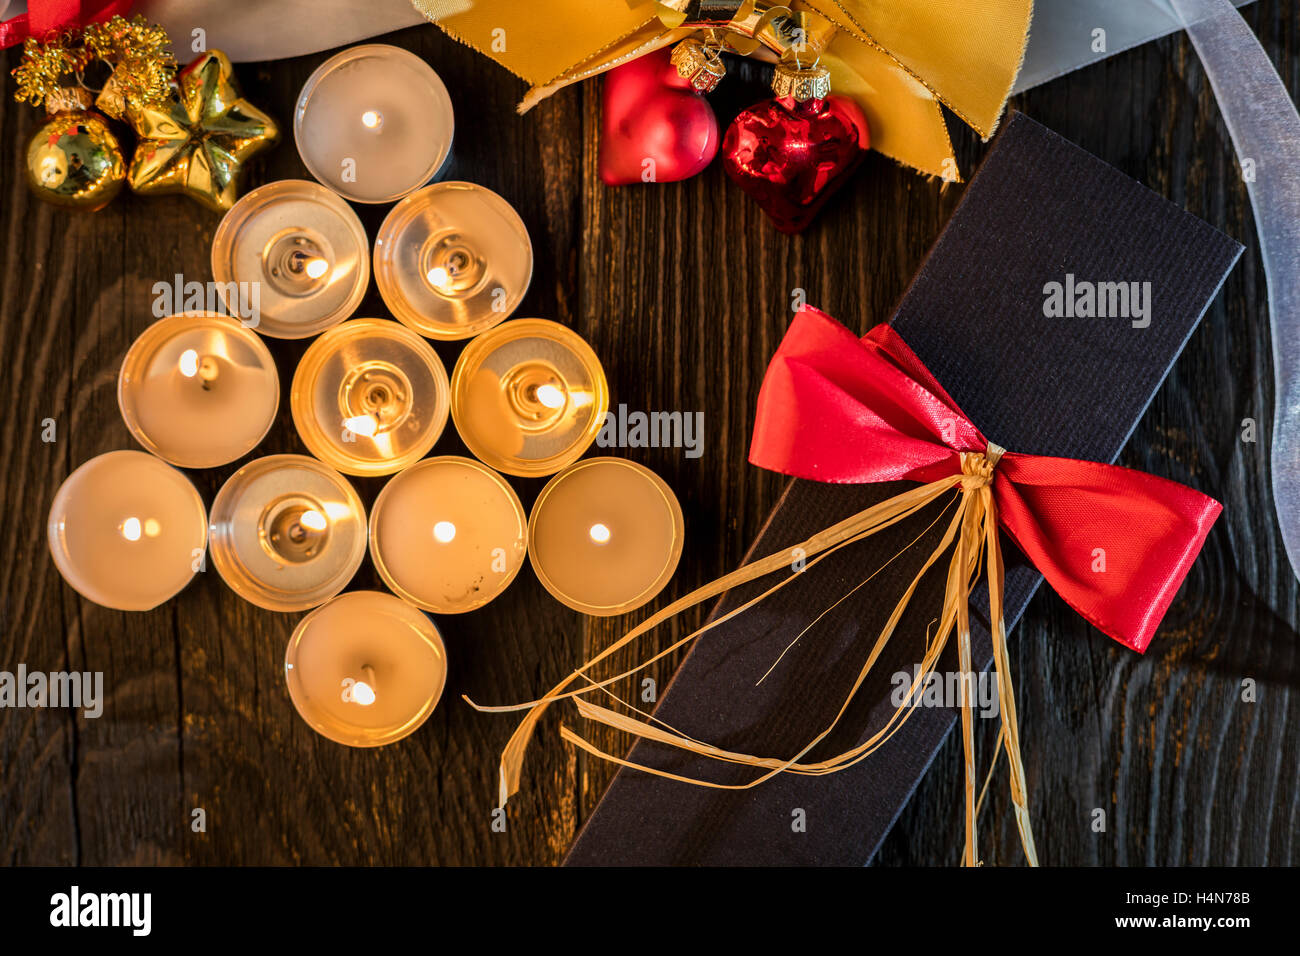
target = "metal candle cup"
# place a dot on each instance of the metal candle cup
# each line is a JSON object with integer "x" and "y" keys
{"x": 305, "y": 249}
{"x": 452, "y": 260}
{"x": 198, "y": 389}
{"x": 605, "y": 536}
{"x": 369, "y": 397}
{"x": 127, "y": 530}
{"x": 365, "y": 669}
{"x": 448, "y": 534}
{"x": 287, "y": 532}
{"x": 373, "y": 123}
{"x": 529, "y": 397}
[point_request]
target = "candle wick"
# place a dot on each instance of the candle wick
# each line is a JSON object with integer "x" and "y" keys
{"x": 208, "y": 371}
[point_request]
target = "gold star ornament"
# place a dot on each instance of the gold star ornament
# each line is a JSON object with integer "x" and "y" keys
{"x": 197, "y": 142}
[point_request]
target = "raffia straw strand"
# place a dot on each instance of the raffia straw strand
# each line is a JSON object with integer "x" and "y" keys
{"x": 972, "y": 535}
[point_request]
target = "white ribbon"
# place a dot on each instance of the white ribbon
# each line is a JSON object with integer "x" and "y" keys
{"x": 1068, "y": 34}
{"x": 1265, "y": 129}
{"x": 1061, "y": 40}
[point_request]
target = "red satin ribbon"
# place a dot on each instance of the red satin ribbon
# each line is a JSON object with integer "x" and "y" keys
{"x": 837, "y": 408}
{"x": 44, "y": 17}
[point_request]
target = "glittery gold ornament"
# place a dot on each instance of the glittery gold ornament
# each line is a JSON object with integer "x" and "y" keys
{"x": 74, "y": 159}
{"x": 197, "y": 142}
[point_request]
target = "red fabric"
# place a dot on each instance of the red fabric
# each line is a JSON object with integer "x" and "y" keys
{"x": 837, "y": 408}
{"x": 51, "y": 16}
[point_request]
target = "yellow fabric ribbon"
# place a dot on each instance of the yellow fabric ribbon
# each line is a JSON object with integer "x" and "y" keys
{"x": 971, "y": 534}
{"x": 899, "y": 59}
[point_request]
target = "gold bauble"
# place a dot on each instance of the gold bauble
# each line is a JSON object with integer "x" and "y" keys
{"x": 74, "y": 160}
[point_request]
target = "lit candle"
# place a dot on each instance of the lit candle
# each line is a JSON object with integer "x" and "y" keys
{"x": 127, "y": 531}
{"x": 448, "y": 534}
{"x": 369, "y": 397}
{"x": 373, "y": 123}
{"x": 529, "y": 397}
{"x": 365, "y": 669}
{"x": 198, "y": 389}
{"x": 306, "y": 250}
{"x": 452, "y": 260}
{"x": 287, "y": 532}
{"x": 605, "y": 535}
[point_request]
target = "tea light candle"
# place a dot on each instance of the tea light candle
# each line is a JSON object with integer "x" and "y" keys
{"x": 287, "y": 532}
{"x": 198, "y": 389}
{"x": 529, "y": 397}
{"x": 369, "y": 397}
{"x": 373, "y": 123}
{"x": 605, "y": 536}
{"x": 365, "y": 669}
{"x": 127, "y": 531}
{"x": 452, "y": 260}
{"x": 304, "y": 247}
{"x": 448, "y": 534}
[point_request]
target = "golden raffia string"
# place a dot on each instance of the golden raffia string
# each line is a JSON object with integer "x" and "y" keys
{"x": 972, "y": 533}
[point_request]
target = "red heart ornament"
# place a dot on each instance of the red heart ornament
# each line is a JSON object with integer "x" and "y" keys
{"x": 655, "y": 127}
{"x": 791, "y": 156}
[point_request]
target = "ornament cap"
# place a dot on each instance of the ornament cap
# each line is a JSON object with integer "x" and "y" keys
{"x": 801, "y": 83}
{"x": 698, "y": 64}
{"x": 68, "y": 98}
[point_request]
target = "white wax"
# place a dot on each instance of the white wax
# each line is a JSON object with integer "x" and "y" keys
{"x": 374, "y": 123}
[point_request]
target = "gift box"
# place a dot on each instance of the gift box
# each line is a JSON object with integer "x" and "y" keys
{"x": 1051, "y": 309}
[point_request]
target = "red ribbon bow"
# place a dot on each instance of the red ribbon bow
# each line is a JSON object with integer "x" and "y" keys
{"x": 1113, "y": 542}
{"x": 44, "y": 17}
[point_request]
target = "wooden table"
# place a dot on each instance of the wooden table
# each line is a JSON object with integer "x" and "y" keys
{"x": 683, "y": 290}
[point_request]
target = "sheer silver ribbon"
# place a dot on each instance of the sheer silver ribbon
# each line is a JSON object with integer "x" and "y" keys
{"x": 1265, "y": 129}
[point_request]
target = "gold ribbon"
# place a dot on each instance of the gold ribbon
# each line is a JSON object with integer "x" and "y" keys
{"x": 971, "y": 533}
{"x": 899, "y": 59}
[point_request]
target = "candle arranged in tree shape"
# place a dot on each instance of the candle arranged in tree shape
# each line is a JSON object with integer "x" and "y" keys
{"x": 287, "y": 532}
{"x": 365, "y": 669}
{"x": 529, "y": 397}
{"x": 198, "y": 389}
{"x": 453, "y": 260}
{"x": 298, "y": 252}
{"x": 448, "y": 534}
{"x": 127, "y": 530}
{"x": 369, "y": 397}
{"x": 373, "y": 123}
{"x": 605, "y": 535}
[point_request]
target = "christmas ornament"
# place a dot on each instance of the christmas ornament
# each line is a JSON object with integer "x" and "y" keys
{"x": 196, "y": 142}
{"x": 74, "y": 160}
{"x": 792, "y": 152}
{"x": 656, "y": 125}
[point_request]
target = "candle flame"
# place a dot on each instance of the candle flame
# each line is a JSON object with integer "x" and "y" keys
{"x": 363, "y": 693}
{"x": 131, "y": 529}
{"x": 316, "y": 268}
{"x": 550, "y": 395}
{"x": 444, "y": 531}
{"x": 189, "y": 363}
{"x": 438, "y": 276}
{"x": 312, "y": 520}
{"x": 361, "y": 425}
{"x": 372, "y": 119}
{"x": 599, "y": 533}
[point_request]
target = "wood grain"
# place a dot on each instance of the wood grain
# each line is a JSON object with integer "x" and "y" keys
{"x": 683, "y": 290}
